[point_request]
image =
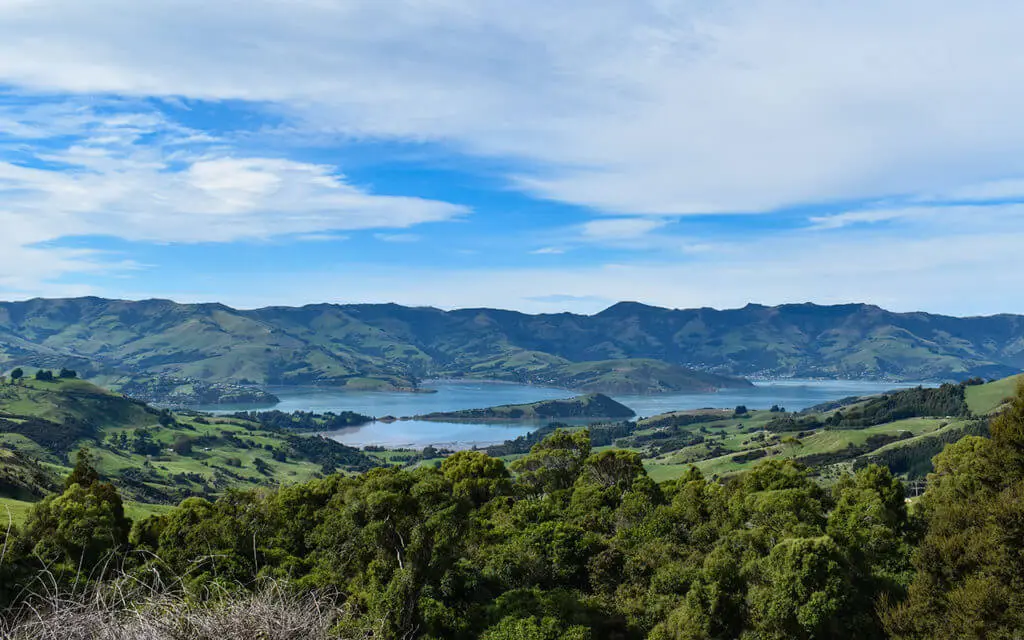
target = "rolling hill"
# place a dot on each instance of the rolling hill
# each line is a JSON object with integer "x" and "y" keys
{"x": 151, "y": 455}
{"x": 628, "y": 348}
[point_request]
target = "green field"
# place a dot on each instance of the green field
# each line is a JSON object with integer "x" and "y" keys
{"x": 734, "y": 444}
{"x": 986, "y": 398}
{"x": 13, "y": 511}
{"x": 19, "y": 510}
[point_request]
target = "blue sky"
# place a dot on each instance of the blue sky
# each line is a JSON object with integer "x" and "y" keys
{"x": 542, "y": 156}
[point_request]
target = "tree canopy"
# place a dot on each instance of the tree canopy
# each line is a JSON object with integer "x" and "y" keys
{"x": 569, "y": 542}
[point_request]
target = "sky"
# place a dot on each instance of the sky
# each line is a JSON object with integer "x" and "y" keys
{"x": 544, "y": 156}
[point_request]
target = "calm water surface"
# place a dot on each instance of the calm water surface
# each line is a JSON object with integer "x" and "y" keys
{"x": 453, "y": 396}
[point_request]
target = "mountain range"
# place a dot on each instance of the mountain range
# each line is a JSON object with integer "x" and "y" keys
{"x": 627, "y": 348}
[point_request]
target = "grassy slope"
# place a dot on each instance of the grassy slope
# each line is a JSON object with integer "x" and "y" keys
{"x": 732, "y": 436}
{"x": 737, "y": 439}
{"x": 16, "y": 509}
{"x": 62, "y": 399}
{"x": 230, "y": 461}
{"x": 19, "y": 510}
{"x": 987, "y": 398}
{"x": 639, "y": 376}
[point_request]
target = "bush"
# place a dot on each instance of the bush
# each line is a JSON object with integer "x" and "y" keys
{"x": 182, "y": 445}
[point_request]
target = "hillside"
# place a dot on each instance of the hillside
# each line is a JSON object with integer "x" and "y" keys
{"x": 989, "y": 398}
{"x": 902, "y": 430}
{"x": 590, "y": 406}
{"x": 153, "y": 456}
{"x": 157, "y": 348}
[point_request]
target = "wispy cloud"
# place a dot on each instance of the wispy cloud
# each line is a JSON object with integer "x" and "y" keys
{"x": 397, "y": 237}
{"x": 920, "y": 272}
{"x": 320, "y": 237}
{"x": 137, "y": 176}
{"x": 870, "y": 216}
{"x": 615, "y": 229}
{"x": 644, "y": 115}
{"x": 951, "y": 218}
{"x": 636, "y": 107}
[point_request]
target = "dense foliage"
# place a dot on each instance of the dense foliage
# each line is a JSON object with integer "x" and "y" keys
{"x": 601, "y": 435}
{"x": 569, "y": 543}
{"x": 914, "y": 459}
{"x": 947, "y": 400}
{"x": 663, "y": 440}
{"x": 304, "y": 420}
{"x": 595, "y": 405}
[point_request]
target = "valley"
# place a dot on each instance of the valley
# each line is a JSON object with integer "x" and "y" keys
{"x": 222, "y": 498}
{"x": 158, "y": 457}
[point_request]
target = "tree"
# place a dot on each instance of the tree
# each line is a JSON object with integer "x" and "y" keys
{"x": 166, "y": 419}
{"x": 77, "y": 530}
{"x": 534, "y": 628}
{"x": 555, "y": 462}
{"x": 870, "y": 524}
{"x": 143, "y": 443}
{"x": 44, "y": 375}
{"x": 804, "y": 590}
{"x": 68, "y": 374}
{"x": 261, "y": 465}
{"x": 742, "y": 410}
{"x": 17, "y": 374}
{"x": 182, "y": 445}
{"x": 969, "y": 568}
{"x": 476, "y": 476}
{"x": 84, "y": 473}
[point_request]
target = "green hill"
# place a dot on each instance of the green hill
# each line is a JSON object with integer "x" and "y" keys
{"x": 158, "y": 348}
{"x": 153, "y": 456}
{"x": 988, "y": 398}
{"x": 23, "y": 477}
{"x": 596, "y": 405}
{"x": 902, "y": 430}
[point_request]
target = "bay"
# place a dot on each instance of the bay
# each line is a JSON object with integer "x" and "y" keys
{"x": 794, "y": 395}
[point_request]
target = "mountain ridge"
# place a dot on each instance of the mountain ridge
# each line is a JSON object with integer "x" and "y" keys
{"x": 629, "y": 347}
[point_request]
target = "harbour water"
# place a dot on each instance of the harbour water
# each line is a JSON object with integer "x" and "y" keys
{"x": 453, "y": 396}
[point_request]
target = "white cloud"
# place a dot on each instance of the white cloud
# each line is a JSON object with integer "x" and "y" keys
{"x": 1006, "y": 189}
{"x": 938, "y": 272}
{"x": 137, "y": 177}
{"x": 319, "y": 237}
{"x": 397, "y": 237}
{"x": 954, "y": 219}
{"x": 614, "y": 229}
{"x": 867, "y": 216}
{"x": 651, "y": 107}
{"x": 647, "y": 106}
{"x": 548, "y": 251}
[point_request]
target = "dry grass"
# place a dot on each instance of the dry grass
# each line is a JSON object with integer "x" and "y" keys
{"x": 112, "y": 604}
{"x": 122, "y": 610}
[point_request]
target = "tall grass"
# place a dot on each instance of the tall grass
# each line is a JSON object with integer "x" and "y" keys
{"x": 121, "y": 605}
{"x": 270, "y": 613}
